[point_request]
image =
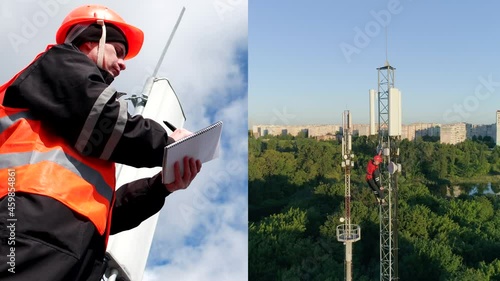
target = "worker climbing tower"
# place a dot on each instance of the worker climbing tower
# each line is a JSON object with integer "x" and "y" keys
{"x": 389, "y": 136}
{"x": 347, "y": 233}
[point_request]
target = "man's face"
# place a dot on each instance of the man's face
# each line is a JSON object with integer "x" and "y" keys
{"x": 376, "y": 162}
{"x": 114, "y": 53}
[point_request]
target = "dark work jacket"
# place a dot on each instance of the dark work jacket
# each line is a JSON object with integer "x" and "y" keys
{"x": 65, "y": 90}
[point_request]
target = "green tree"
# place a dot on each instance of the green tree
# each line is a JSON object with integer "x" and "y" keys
{"x": 276, "y": 244}
{"x": 429, "y": 260}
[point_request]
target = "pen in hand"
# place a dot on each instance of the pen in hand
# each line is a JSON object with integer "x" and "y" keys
{"x": 170, "y": 126}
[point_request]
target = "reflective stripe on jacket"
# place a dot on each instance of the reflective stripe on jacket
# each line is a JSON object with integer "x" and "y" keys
{"x": 45, "y": 164}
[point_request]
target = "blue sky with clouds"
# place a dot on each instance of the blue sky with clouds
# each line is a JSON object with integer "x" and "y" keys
{"x": 310, "y": 60}
{"x": 201, "y": 232}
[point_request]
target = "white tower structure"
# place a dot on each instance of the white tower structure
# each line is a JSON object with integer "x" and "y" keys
{"x": 372, "y": 94}
{"x": 347, "y": 233}
{"x": 497, "y": 139}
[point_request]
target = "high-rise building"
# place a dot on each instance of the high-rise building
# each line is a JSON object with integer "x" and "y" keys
{"x": 497, "y": 139}
{"x": 415, "y": 130}
{"x": 453, "y": 133}
{"x": 482, "y": 130}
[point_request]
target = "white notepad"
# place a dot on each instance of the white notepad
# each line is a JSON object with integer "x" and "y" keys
{"x": 202, "y": 145}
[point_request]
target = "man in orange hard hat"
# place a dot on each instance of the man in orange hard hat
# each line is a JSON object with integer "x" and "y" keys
{"x": 62, "y": 129}
{"x": 373, "y": 178}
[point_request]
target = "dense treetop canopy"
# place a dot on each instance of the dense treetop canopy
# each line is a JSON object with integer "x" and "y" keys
{"x": 296, "y": 197}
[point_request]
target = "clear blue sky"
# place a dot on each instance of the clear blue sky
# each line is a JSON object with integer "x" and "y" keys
{"x": 443, "y": 51}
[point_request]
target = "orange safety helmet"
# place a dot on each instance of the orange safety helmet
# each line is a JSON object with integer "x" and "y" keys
{"x": 89, "y": 14}
{"x": 377, "y": 158}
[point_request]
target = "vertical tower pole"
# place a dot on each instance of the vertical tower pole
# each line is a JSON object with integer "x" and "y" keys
{"x": 387, "y": 212}
{"x": 347, "y": 233}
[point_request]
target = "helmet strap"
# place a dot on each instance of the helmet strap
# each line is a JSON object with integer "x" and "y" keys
{"x": 75, "y": 32}
{"x": 102, "y": 43}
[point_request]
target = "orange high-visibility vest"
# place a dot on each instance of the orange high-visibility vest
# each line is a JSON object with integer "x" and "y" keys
{"x": 47, "y": 165}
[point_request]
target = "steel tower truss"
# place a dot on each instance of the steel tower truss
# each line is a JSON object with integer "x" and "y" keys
{"x": 387, "y": 212}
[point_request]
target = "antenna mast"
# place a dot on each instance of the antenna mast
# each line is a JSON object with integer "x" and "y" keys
{"x": 140, "y": 101}
{"x": 168, "y": 42}
{"x": 347, "y": 233}
{"x": 389, "y": 135}
{"x": 386, "y": 46}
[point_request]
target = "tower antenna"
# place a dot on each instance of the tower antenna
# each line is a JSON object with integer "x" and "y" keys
{"x": 347, "y": 232}
{"x": 386, "y": 47}
{"x": 169, "y": 41}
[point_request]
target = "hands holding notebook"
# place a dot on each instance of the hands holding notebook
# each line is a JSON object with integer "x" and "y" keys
{"x": 201, "y": 146}
{"x": 191, "y": 166}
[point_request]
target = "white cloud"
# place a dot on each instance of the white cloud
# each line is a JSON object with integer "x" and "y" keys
{"x": 202, "y": 65}
{"x": 233, "y": 113}
{"x": 220, "y": 257}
